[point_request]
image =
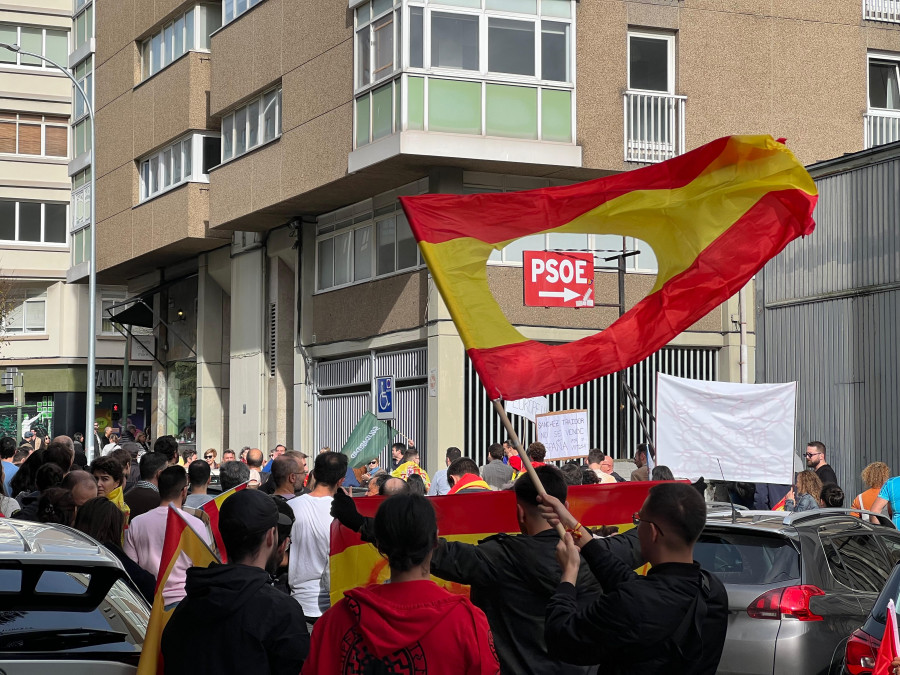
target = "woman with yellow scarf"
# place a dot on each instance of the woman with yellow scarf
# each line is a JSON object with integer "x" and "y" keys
{"x": 110, "y": 475}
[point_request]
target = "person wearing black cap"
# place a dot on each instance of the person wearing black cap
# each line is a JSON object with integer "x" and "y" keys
{"x": 243, "y": 623}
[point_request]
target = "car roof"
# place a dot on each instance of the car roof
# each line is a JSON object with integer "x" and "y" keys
{"x": 788, "y": 523}
{"x": 37, "y": 543}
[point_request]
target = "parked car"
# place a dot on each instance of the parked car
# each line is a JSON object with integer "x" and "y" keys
{"x": 66, "y": 604}
{"x": 798, "y": 584}
{"x": 862, "y": 645}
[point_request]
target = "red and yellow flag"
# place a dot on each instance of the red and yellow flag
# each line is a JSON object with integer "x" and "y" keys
{"x": 470, "y": 518}
{"x": 211, "y": 508}
{"x": 713, "y": 217}
{"x": 180, "y": 538}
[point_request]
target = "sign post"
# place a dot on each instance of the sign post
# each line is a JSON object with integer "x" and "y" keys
{"x": 559, "y": 279}
{"x": 384, "y": 398}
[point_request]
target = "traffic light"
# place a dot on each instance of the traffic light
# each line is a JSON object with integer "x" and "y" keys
{"x": 116, "y": 413}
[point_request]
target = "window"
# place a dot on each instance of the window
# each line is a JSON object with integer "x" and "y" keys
{"x": 52, "y": 44}
{"x": 377, "y": 41}
{"x": 251, "y": 125}
{"x": 856, "y": 561}
{"x": 81, "y": 216}
{"x": 84, "y": 26}
{"x": 82, "y": 132}
{"x": 174, "y": 164}
{"x": 84, "y": 74}
{"x": 366, "y": 241}
{"x": 232, "y": 9}
{"x": 32, "y": 222}
{"x": 884, "y": 84}
{"x": 108, "y": 298}
{"x": 186, "y": 32}
{"x": 42, "y": 135}
{"x": 651, "y": 62}
{"x": 27, "y": 311}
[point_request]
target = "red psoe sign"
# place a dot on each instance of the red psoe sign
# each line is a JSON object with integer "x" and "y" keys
{"x": 559, "y": 279}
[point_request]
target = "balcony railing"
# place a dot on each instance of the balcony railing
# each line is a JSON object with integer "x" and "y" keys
{"x": 882, "y": 10}
{"x": 654, "y": 126}
{"x": 882, "y": 127}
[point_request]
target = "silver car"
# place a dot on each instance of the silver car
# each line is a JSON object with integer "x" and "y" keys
{"x": 798, "y": 584}
{"x": 66, "y": 604}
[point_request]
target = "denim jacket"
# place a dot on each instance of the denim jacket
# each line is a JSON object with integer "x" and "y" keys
{"x": 805, "y": 503}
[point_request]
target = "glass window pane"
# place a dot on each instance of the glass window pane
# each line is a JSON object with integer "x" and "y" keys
{"x": 186, "y": 147}
{"x": 560, "y": 8}
{"x": 416, "y": 37}
{"x": 29, "y": 221}
{"x": 454, "y": 41}
{"x": 646, "y": 259}
{"x": 157, "y": 46}
{"x": 606, "y": 245}
{"x": 8, "y": 134}
{"x": 240, "y": 132}
{"x": 145, "y": 179}
{"x": 555, "y": 51}
{"x": 189, "y": 40}
{"x": 58, "y": 46}
{"x": 154, "y": 174}
{"x": 556, "y": 115}
{"x": 228, "y": 6}
{"x": 522, "y": 6}
{"x": 363, "y": 113}
{"x": 884, "y": 89}
{"x": 34, "y": 316}
{"x": 383, "y": 37}
{"x": 145, "y": 60}
{"x": 167, "y": 168}
{"x": 14, "y": 316}
{"x": 9, "y": 35}
{"x": 78, "y": 247}
{"x": 325, "y": 261}
{"x": 382, "y": 112}
{"x": 270, "y": 116}
{"x": 407, "y": 249}
{"x": 363, "y": 56}
{"x": 31, "y": 41}
{"x": 29, "y": 139}
{"x": 380, "y": 6}
{"x": 55, "y": 223}
{"x": 227, "y": 137}
{"x": 89, "y": 28}
{"x": 212, "y": 153}
{"x": 511, "y": 111}
{"x": 240, "y": 6}
{"x": 513, "y": 252}
{"x": 177, "y": 175}
{"x": 648, "y": 64}
{"x": 56, "y": 141}
{"x": 179, "y": 36}
{"x": 363, "y": 15}
{"x": 385, "y": 245}
{"x": 459, "y": 3}
{"x": 511, "y": 46}
{"x": 168, "y": 44}
{"x": 362, "y": 253}
{"x": 253, "y": 119}
{"x": 342, "y": 259}
{"x": 7, "y": 220}
{"x": 568, "y": 241}
{"x": 454, "y": 106}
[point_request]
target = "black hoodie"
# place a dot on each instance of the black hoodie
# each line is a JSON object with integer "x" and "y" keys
{"x": 233, "y": 621}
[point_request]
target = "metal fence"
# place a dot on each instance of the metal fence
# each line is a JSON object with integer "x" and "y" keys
{"x": 654, "y": 126}
{"x": 882, "y": 128}
{"x": 882, "y": 10}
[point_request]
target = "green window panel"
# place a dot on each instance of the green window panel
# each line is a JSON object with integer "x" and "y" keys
{"x": 9, "y": 35}
{"x": 363, "y": 108}
{"x": 415, "y": 101}
{"x": 521, "y": 6}
{"x": 560, "y": 8}
{"x": 556, "y": 115}
{"x": 511, "y": 111}
{"x": 382, "y": 112}
{"x": 454, "y": 106}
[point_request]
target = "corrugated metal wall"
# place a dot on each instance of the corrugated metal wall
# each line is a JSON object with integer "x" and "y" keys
{"x": 828, "y": 318}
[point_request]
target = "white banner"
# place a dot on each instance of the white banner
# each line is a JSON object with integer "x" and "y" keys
{"x": 564, "y": 434}
{"x": 528, "y": 407}
{"x": 749, "y": 428}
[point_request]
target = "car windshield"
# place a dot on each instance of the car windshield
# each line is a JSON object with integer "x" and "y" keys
{"x": 56, "y": 612}
{"x": 744, "y": 558}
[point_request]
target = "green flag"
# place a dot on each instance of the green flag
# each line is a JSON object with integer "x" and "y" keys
{"x": 368, "y": 439}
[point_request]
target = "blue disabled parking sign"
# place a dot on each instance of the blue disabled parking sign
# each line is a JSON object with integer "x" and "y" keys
{"x": 384, "y": 397}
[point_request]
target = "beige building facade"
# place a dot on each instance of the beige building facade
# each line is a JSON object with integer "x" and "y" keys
{"x": 250, "y": 155}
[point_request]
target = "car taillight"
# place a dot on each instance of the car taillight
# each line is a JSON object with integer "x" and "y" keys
{"x": 859, "y": 656}
{"x": 791, "y": 601}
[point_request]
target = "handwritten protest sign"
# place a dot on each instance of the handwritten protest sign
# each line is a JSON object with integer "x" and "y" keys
{"x": 564, "y": 433}
{"x": 528, "y": 407}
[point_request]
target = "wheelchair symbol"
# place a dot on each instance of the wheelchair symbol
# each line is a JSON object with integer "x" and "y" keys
{"x": 385, "y": 396}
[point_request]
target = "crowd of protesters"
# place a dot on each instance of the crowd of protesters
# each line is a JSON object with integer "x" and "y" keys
{"x": 538, "y": 603}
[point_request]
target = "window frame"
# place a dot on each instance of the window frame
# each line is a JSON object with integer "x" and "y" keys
{"x": 228, "y": 125}
{"x": 111, "y": 296}
{"x": 199, "y": 42}
{"x": 43, "y": 65}
{"x": 885, "y": 58}
{"x": 42, "y": 244}
{"x": 87, "y": 83}
{"x": 44, "y": 124}
{"x": 193, "y": 159}
{"x": 79, "y": 229}
{"x": 671, "y": 62}
{"x": 235, "y": 15}
{"x": 27, "y": 295}
{"x": 82, "y": 11}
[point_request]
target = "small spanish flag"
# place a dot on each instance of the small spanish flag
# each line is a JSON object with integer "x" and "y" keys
{"x": 713, "y": 217}
{"x": 180, "y": 538}
{"x": 211, "y": 508}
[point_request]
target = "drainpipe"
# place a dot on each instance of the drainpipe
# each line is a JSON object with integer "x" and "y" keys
{"x": 742, "y": 319}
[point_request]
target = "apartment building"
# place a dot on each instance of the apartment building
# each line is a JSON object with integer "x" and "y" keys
{"x": 250, "y": 155}
{"x": 45, "y": 327}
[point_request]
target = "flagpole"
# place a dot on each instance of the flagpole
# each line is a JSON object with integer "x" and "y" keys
{"x": 498, "y": 406}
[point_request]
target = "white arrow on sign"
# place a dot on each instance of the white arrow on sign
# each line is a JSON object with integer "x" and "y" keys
{"x": 566, "y": 294}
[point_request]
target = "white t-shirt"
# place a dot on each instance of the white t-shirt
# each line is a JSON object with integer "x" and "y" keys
{"x": 308, "y": 572}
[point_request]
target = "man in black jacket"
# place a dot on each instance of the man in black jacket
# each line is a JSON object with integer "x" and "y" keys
{"x": 671, "y": 621}
{"x": 243, "y": 623}
{"x": 512, "y": 577}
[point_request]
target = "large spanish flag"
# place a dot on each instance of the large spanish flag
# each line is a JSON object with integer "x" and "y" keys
{"x": 180, "y": 538}
{"x": 470, "y": 518}
{"x": 212, "y": 508}
{"x": 713, "y": 217}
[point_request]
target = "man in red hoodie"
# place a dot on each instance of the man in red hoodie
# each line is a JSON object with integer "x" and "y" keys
{"x": 410, "y": 625}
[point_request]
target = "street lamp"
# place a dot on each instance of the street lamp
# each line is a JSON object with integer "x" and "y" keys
{"x": 92, "y": 275}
